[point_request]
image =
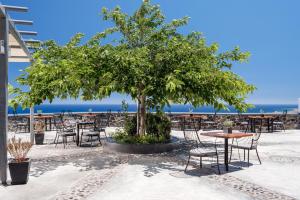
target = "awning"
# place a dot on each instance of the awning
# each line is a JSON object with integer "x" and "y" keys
{"x": 18, "y": 51}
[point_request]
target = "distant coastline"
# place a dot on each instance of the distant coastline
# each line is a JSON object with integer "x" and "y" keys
{"x": 58, "y": 108}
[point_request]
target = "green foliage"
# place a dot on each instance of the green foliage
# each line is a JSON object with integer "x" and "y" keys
{"x": 158, "y": 125}
{"x": 150, "y": 59}
{"x": 130, "y": 126}
{"x": 158, "y": 129}
{"x": 123, "y": 138}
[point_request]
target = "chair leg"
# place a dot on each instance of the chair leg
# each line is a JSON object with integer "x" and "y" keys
{"x": 57, "y": 140}
{"x": 80, "y": 139}
{"x": 248, "y": 157}
{"x": 244, "y": 154}
{"x": 64, "y": 142}
{"x": 258, "y": 156}
{"x": 105, "y": 135}
{"x": 218, "y": 164}
{"x": 230, "y": 154}
{"x": 99, "y": 138}
{"x": 187, "y": 162}
{"x": 200, "y": 162}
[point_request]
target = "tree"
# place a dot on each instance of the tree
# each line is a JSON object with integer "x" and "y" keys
{"x": 151, "y": 61}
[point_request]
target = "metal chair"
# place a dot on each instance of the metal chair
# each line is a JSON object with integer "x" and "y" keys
{"x": 20, "y": 123}
{"x": 278, "y": 122}
{"x": 243, "y": 124}
{"x": 246, "y": 144}
{"x": 64, "y": 131}
{"x": 92, "y": 132}
{"x": 198, "y": 148}
{"x": 101, "y": 122}
{"x": 210, "y": 123}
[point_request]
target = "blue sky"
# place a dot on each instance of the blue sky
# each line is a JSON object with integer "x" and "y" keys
{"x": 269, "y": 29}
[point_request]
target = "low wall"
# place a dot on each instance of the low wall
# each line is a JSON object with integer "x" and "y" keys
{"x": 291, "y": 121}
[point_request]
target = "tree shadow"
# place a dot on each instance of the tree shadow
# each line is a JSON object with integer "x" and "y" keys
{"x": 84, "y": 162}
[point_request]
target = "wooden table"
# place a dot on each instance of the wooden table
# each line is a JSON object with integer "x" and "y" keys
{"x": 252, "y": 120}
{"x": 46, "y": 118}
{"x": 193, "y": 117}
{"x": 80, "y": 125}
{"x": 88, "y": 115}
{"x": 227, "y": 136}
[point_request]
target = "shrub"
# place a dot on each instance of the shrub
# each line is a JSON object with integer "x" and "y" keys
{"x": 18, "y": 149}
{"x": 158, "y": 129}
{"x": 130, "y": 126}
{"x": 158, "y": 124}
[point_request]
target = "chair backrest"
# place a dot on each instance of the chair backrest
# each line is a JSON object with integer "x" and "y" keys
{"x": 191, "y": 136}
{"x": 255, "y": 139}
{"x": 101, "y": 121}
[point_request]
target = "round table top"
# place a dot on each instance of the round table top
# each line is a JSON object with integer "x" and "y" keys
{"x": 262, "y": 117}
{"x": 192, "y": 116}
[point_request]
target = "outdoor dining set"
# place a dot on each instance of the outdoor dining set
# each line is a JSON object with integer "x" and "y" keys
{"x": 86, "y": 129}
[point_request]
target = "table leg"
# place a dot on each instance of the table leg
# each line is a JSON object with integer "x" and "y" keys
{"x": 28, "y": 124}
{"x": 200, "y": 126}
{"x": 268, "y": 125}
{"x": 46, "y": 124}
{"x": 226, "y": 154}
{"x": 261, "y": 124}
{"x": 251, "y": 125}
{"x": 50, "y": 122}
{"x": 77, "y": 135}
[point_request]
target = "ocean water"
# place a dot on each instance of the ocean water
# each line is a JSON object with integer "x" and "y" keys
{"x": 58, "y": 108}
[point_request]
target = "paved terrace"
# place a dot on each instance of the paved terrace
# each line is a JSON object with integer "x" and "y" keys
{"x": 88, "y": 173}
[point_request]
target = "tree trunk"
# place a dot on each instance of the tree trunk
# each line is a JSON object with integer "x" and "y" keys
{"x": 138, "y": 117}
{"x": 142, "y": 130}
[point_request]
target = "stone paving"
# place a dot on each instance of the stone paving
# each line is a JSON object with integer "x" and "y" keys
{"x": 91, "y": 172}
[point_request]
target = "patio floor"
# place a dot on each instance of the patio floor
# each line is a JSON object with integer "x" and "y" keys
{"x": 88, "y": 173}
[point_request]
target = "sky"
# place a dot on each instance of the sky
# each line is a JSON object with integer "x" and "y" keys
{"x": 268, "y": 29}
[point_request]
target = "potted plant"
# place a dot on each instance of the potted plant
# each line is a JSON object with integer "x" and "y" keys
{"x": 19, "y": 165}
{"x": 227, "y": 126}
{"x": 39, "y": 132}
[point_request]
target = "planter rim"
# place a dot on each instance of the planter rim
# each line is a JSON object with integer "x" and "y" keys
{"x": 13, "y": 160}
{"x": 173, "y": 140}
{"x": 111, "y": 146}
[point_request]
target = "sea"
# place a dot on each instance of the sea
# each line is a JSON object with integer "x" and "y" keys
{"x": 74, "y": 108}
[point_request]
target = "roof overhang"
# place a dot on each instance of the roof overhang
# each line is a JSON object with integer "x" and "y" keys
{"x": 18, "y": 52}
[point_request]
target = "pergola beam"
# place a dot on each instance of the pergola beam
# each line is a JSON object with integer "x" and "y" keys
{"x": 15, "y": 8}
{"x": 21, "y": 22}
{"x": 27, "y": 32}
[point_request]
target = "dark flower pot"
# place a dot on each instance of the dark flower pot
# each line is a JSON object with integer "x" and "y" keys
{"x": 19, "y": 172}
{"x": 39, "y": 139}
{"x": 227, "y": 130}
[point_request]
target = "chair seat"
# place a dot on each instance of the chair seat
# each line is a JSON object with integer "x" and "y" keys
{"x": 209, "y": 122}
{"x": 246, "y": 147}
{"x": 69, "y": 134}
{"x": 278, "y": 123}
{"x": 22, "y": 124}
{"x": 92, "y": 133}
{"x": 202, "y": 152}
{"x": 244, "y": 123}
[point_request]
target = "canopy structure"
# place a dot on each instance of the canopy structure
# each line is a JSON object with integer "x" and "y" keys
{"x": 12, "y": 49}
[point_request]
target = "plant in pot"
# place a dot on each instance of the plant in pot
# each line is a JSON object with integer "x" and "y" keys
{"x": 227, "y": 126}
{"x": 19, "y": 165}
{"x": 39, "y": 132}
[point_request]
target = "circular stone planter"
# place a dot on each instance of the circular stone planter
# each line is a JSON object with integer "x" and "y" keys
{"x": 111, "y": 146}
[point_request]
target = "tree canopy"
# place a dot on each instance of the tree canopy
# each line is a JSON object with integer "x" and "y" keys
{"x": 151, "y": 61}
